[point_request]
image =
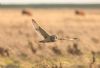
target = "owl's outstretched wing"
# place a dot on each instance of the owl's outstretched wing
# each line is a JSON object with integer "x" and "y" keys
{"x": 40, "y": 30}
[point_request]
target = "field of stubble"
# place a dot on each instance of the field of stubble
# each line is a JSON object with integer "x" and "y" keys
{"x": 19, "y": 36}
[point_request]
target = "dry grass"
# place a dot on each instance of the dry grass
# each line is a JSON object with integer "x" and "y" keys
{"x": 18, "y": 35}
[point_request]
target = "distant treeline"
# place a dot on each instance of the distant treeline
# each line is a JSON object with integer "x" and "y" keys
{"x": 52, "y": 6}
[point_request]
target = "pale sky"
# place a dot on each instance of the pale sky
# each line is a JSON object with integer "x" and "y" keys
{"x": 47, "y": 1}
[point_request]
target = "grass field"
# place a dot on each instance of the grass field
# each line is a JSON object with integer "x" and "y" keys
{"x": 19, "y": 36}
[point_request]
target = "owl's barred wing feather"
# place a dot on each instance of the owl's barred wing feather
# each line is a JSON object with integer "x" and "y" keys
{"x": 40, "y": 30}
